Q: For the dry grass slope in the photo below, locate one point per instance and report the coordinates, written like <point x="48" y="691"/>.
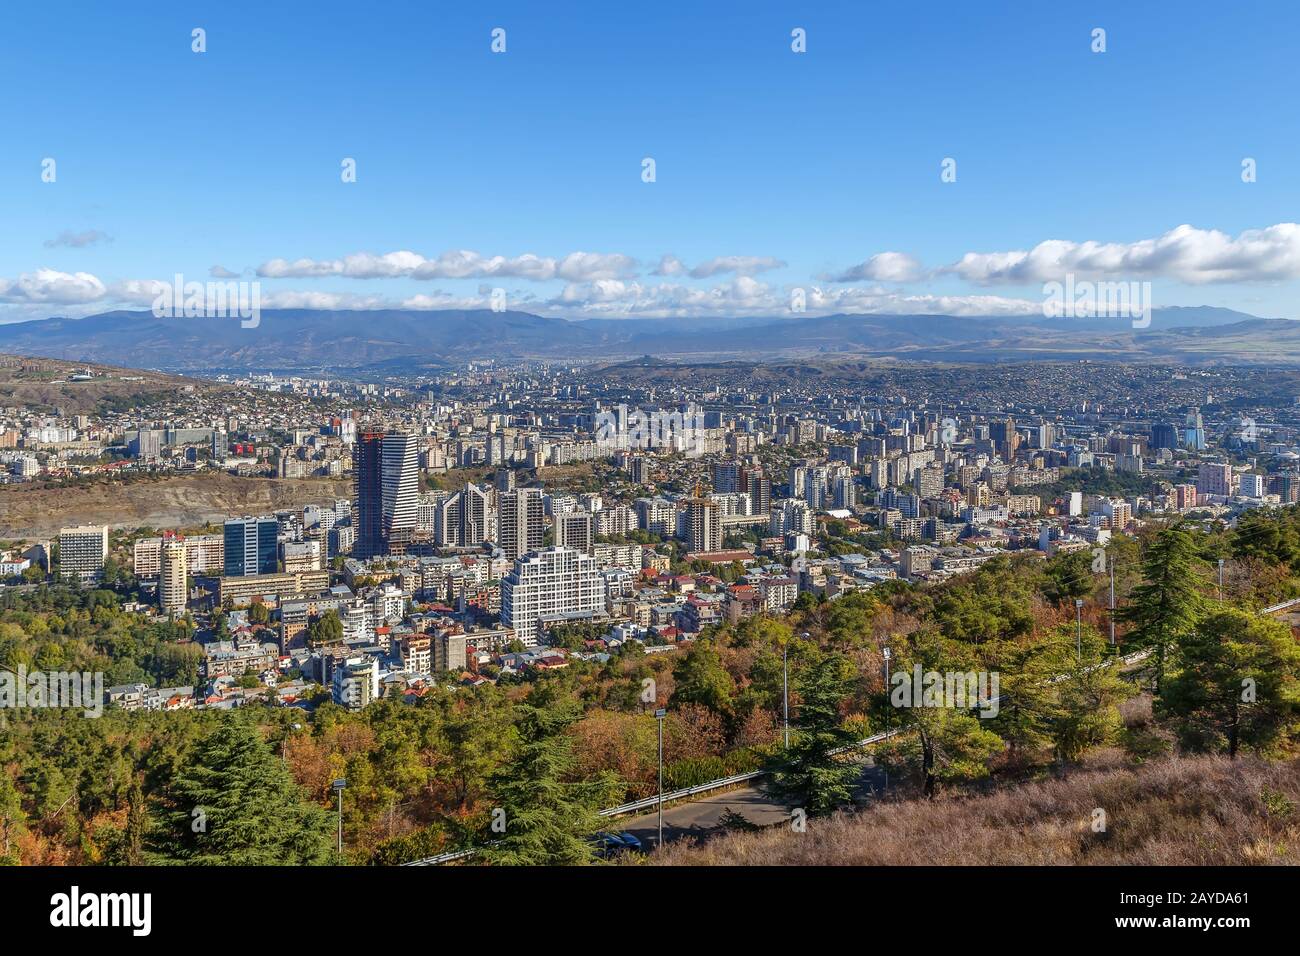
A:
<point x="174" y="501"/>
<point x="1178" y="811"/>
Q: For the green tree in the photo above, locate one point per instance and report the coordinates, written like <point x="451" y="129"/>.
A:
<point x="1087" y="695"/>
<point x="326" y="629"/>
<point x="13" y="822"/>
<point x="1237" y="683"/>
<point x="811" y="775"/>
<point x="1168" y="602"/>
<point x="539" y="818"/>
<point x="700" y="678"/>
<point x="137" y="824"/>
<point x="950" y="745"/>
<point x="234" y="803"/>
<point x="1268" y="537"/>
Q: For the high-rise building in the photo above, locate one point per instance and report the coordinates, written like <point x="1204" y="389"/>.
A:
<point x="656" y="515"/>
<point x="477" y="517"/>
<point x="575" y="529"/>
<point x="929" y="480"/>
<point x="618" y="520"/>
<point x="251" y="546"/>
<point x="400" y="483"/>
<point x="1194" y="431"/>
<point x="387" y="483"/>
<point x="1285" y="485"/>
<point x="1002" y="432"/>
<point x="356" y="682"/>
<point x="726" y="477"/>
<point x="846" y="493"/>
<point x="759" y="489"/>
<point x="1074" y="504"/>
<point x="204" y="554"/>
<point x="367" y="468"/>
<point x="1215" y="478"/>
<point x="790" y="516"/>
<point x="1164" y="435"/>
<point x="520" y="522"/>
<point x="1253" y="485"/>
<point x="550" y="582"/>
<point x="638" y="469"/>
<point x="173" y="579"/>
<point x="1119" y="513"/>
<point x="83" y="551"/>
<point x="703" y="525"/>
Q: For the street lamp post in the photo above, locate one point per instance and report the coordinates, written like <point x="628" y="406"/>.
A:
<point x="660" y="714"/>
<point x="888" y="713"/>
<point x="338" y="786"/>
<point x="1078" y="627"/>
<point x="284" y="744"/>
<point x="1112" y="603"/>
<point x="1219" y="593"/>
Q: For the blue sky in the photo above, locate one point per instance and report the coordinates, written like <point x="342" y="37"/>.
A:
<point x="774" y="170"/>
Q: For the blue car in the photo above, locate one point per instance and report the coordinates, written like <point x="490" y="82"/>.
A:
<point x="612" y="844"/>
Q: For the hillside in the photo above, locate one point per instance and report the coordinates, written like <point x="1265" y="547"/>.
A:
<point x="397" y="340"/>
<point x="33" y="512"/>
<point x="1194" y="811"/>
<point x="52" y="383"/>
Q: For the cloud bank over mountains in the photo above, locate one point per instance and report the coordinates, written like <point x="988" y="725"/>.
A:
<point x="615" y="284"/>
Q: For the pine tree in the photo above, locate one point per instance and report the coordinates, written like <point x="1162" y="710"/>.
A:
<point x="810" y="775"/>
<point x="235" y="803"/>
<point x="1237" y="684"/>
<point x="538" y="818"/>
<point x="1168" y="602"/>
<point x="1087" y="696"/>
<point x="137" y="824"/>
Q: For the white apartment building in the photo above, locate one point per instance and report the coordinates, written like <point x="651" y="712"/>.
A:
<point x="356" y="682"/>
<point x="205" y="554"/>
<point x="82" y="551"/>
<point x="546" y="582"/>
<point x="173" y="579"/>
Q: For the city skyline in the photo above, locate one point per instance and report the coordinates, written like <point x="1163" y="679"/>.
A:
<point x="602" y="437"/>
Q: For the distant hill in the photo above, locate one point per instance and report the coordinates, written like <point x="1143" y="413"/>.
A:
<point x="396" y="340"/>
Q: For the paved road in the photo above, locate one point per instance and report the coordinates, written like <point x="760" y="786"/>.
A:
<point x="703" y="817"/>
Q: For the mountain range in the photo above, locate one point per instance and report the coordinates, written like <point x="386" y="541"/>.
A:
<point x="394" y="340"/>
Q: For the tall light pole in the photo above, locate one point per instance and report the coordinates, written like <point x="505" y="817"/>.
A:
<point x="785" y="692"/>
<point x="888" y="713"/>
<point x="1078" y="627"/>
<point x="1219" y="593"/>
<point x="338" y="785"/>
<point x="284" y="744"/>
<point x="1112" y="603"/>
<point x="660" y="714"/>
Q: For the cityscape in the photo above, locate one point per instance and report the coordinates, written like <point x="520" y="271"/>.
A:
<point x="785" y="548"/>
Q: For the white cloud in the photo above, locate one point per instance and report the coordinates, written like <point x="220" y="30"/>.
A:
<point x="669" y="265"/>
<point x="876" y="301"/>
<point x="221" y="272"/>
<point x="456" y="264"/>
<point x="52" y="286"/>
<point x="883" y="267"/>
<point x="745" y="296"/>
<point x="1185" y="253"/>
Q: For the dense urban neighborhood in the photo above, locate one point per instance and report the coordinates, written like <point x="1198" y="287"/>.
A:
<point x="574" y="553"/>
